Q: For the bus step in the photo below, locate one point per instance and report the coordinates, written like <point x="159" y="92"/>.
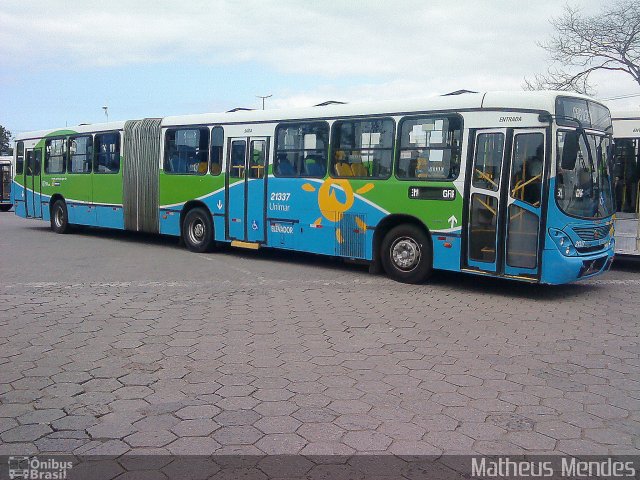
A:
<point x="249" y="245"/>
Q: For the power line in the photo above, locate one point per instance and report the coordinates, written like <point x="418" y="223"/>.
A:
<point x="632" y="95"/>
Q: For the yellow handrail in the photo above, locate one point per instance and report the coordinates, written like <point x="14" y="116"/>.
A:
<point x="486" y="177"/>
<point x="488" y="207"/>
<point x="522" y="185"/>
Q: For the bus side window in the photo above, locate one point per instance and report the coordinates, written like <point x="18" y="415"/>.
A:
<point x="217" y="143"/>
<point x="54" y="156"/>
<point x="526" y="172"/>
<point x="19" y="158"/>
<point x="429" y="148"/>
<point x="363" y="148"/>
<point x="107" y="148"/>
<point x="80" y="154"/>
<point x="186" y="151"/>
<point x="301" y="150"/>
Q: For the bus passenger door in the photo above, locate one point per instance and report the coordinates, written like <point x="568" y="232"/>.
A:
<point x="524" y="203"/>
<point x="257" y="167"/>
<point x="246" y="177"/>
<point x="484" y="208"/>
<point x="236" y="188"/>
<point x="32" y="183"/>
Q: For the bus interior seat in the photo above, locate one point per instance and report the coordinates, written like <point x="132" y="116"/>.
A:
<point x="359" y="170"/>
<point x="314" y="166"/>
<point x="343" y="170"/>
<point x="422" y="167"/>
<point x="284" y="167"/>
<point x="174" y="163"/>
<point x="216" y="169"/>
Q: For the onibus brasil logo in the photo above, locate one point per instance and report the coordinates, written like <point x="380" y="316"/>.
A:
<point x="34" y="468"/>
<point x="331" y="207"/>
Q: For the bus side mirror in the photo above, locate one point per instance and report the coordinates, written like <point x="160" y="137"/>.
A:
<point x="570" y="149"/>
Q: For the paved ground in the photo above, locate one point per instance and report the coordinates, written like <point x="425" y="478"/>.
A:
<point x="113" y="343"/>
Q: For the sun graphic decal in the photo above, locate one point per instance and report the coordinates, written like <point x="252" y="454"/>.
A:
<point x="331" y="207"/>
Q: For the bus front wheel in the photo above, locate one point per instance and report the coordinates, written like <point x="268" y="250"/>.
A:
<point x="197" y="231"/>
<point x="406" y="254"/>
<point x="59" y="217"/>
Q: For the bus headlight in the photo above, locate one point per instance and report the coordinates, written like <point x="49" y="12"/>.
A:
<point x="563" y="242"/>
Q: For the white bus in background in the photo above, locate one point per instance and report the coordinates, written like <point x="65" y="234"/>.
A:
<point x="626" y="173"/>
<point x="5" y="183"/>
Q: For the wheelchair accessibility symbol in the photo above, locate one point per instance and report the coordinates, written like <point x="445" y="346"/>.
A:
<point x="254" y="225"/>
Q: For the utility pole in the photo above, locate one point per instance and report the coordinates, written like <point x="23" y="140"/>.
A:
<point x="263" y="97"/>
<point x="106" y="111"/>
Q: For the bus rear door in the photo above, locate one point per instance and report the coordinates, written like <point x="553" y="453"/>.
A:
<point x="505" y="202"/>
<point x="33" y="183"/>
<point x="246" y="188"/>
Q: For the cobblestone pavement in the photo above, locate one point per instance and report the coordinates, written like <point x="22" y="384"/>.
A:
<point x="113" y="343"/>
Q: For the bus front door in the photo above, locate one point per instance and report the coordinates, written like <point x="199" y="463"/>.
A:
<point x="504" y="203"/>
<point x="247" y="165"/>
<point x="32" y="183"/>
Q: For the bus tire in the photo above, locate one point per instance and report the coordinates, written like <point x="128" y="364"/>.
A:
<point x="406" y="254"/>
<point x="5" y="208"/>
<point x="59" y="217"/>
<point x="197" y="231"/>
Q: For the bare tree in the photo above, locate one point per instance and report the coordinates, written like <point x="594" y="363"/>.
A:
<point x="581" y="45"/>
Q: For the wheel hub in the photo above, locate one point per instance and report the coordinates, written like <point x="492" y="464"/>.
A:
<point x="405" y="253"/>
<point x="58" y="217"/>
<point x="197" y="231"/>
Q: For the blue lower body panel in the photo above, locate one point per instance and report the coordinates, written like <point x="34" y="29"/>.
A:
<point x="558" y="269"/>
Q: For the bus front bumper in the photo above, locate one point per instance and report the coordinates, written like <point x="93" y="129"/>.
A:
<point x="558" y="268"/>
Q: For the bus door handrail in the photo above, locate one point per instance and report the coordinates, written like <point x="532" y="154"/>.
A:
<point x="520" y="186"/>
<point x="486" y="177"/>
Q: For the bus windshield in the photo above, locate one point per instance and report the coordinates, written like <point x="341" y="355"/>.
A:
<point x="586" y="190"/>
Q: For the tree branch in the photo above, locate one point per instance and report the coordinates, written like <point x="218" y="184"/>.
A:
<point x="608" y="41"/>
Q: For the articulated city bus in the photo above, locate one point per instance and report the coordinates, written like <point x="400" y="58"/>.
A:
<point x="626" y="172"/>
<point x="5" y="183"/>
<point x="513" y="185"/>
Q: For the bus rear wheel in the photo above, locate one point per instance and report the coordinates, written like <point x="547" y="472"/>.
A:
<point x="406" y="254"/>
<point x="197" y="231"/>
<point x="59" y="217"/>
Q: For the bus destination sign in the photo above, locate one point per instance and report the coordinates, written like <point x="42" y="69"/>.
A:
<point x="432" y="193"/>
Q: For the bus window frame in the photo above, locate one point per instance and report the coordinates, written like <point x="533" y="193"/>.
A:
<point x="165" y="150"/>
<point x="209" y="163"/>
<point x="332" y="147"/>
<point x="19" y="148"/>
<point x="327" y="122"/>
<point x="65" y="155"/>
<point x="399" y="146"/>
<point x="94" y="163"/>
<point x="70" y="138"/>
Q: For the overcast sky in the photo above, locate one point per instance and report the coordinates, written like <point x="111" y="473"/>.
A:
<point x="61" y="61"/>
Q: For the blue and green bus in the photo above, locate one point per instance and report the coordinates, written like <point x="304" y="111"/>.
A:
<point x="502" y="184"/>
